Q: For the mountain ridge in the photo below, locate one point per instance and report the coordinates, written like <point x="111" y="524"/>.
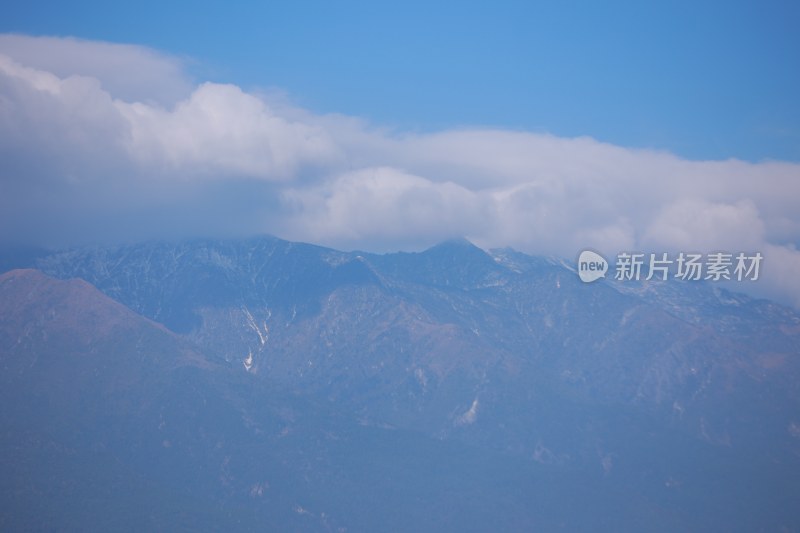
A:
<point x="498" y="352"/>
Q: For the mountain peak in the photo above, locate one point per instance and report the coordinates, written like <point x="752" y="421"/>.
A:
<point x="455" y="243"/>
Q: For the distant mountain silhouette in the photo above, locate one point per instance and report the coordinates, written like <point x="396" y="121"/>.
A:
<point x="298" y="387"/>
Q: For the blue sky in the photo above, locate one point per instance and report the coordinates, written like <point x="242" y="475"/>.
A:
<point x="705" y="80"/>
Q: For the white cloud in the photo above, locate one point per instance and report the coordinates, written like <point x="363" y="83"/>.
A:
<point x="383" y="204"/>
<point x="220" y="129"/>
<point x="694" y="224"/>
<point x="779" y="275"/>
<point x="216" y="130"/>
<point x="54" y="128"/>
<point x="97" y="134"/>
<point x="129" y="72"/>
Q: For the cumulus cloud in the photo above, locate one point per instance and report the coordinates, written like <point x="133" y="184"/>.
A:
<point x="129" y="72"/>
<point x="107" y="141"/>
<point x="219" y="129"/>
<point x="697" y="224"/>
<point x="372" y="205"/>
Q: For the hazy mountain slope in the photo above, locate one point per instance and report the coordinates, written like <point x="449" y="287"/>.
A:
<point x="111" y="422"/>
<point x="641" y="397"/>
<point x="329" y="321"/>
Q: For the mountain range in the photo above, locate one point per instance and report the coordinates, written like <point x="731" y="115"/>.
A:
<point x="262" y="384"/>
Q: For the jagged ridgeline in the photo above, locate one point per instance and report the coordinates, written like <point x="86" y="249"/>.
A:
<point x="260" y="383"/>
